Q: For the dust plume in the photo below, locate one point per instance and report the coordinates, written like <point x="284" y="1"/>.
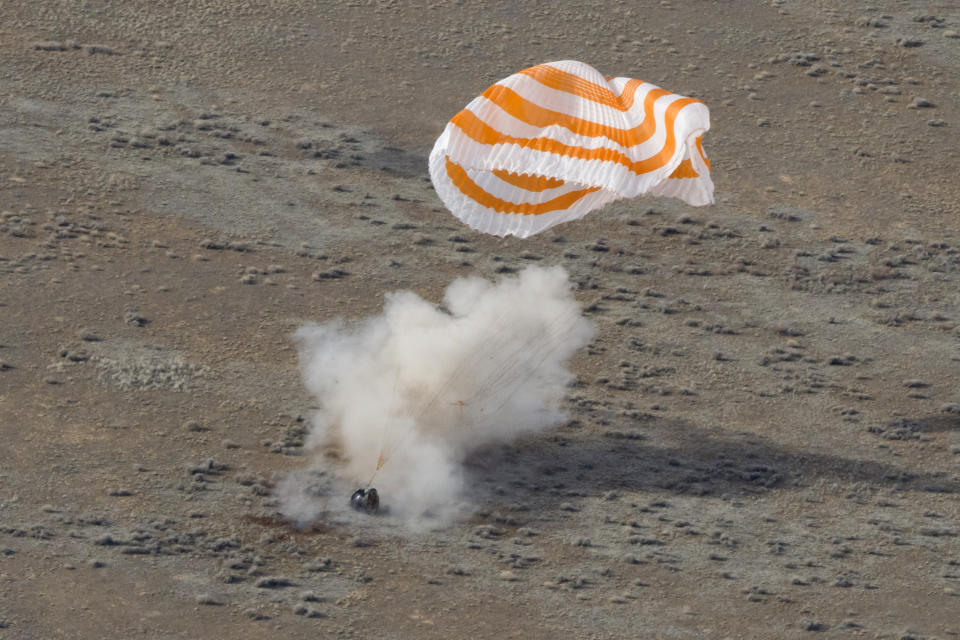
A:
<point x="422" y="386"/>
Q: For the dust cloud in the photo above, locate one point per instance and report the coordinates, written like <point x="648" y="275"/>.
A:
<point x="418" y="387"/>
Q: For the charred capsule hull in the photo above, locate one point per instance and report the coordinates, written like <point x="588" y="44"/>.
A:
<point x="366" y="500"/>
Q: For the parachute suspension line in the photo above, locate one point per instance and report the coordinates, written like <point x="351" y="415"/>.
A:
<point x="495" y="338"/>
<point x="387" y="423"/>
<point x="514" y="365"/>
<point x="515" y="373"/>
<point x="496" y="366"/>
<point x="533" y="370"/>
<point x="380" y="463"/>
<point x="466" y="363"/>
<point x="505" y="368"/>
<point x="516" y="370"/>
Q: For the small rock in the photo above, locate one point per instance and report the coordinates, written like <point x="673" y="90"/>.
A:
<point x="309" y="612"/>
<point x="909" y="42"/>
<point x="99" y="49"/>
<point x="255" y="614"/>
<point x="333" y="274"/>
<point x="920" y="103"/>
<point x="132" y="316"/>
<point x="78" y="355"/>
<point x="89" y="335"/>
<point x="49" y="46"/>
<point x="193" y="425"/>
<point x="273" y="582"/>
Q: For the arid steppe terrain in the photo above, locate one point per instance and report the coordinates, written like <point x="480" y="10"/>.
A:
<point x="763" y="440"/>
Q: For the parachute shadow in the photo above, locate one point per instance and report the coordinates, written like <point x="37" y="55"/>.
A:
<point x="540" y="471"/>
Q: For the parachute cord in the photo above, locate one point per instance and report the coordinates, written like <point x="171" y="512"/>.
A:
<point x="496" y="337"/>
<point x="386" y="427"/>
<point x="380" y="463"/>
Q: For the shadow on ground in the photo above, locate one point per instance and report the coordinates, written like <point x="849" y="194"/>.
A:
<point x="695" y="461"/>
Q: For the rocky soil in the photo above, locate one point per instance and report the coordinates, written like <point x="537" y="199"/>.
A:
<point x="764" y="438"/>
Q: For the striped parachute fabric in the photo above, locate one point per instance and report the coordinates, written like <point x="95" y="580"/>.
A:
<point x="553" y="142"/>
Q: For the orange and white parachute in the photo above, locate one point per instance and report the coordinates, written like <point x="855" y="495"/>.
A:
<point x="553" y="142"/>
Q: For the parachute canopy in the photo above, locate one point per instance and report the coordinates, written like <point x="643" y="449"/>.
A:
<point x="553" y="142"/>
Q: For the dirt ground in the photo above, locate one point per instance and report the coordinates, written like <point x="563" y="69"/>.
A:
<point x="764" y="439"/>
